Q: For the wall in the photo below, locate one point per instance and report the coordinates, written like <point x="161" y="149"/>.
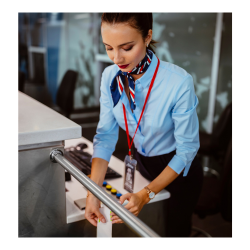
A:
<point x="72" y="40"/>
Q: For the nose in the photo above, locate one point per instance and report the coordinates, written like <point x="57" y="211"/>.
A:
<point x="117" y="58"/>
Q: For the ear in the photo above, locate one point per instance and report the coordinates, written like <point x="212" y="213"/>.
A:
<point x="149" y="37"/>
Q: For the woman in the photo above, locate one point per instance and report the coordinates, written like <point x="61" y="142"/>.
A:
<point x="167" y="139"/>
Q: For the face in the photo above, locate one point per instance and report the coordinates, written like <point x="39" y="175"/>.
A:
<point x="124" y="44"/>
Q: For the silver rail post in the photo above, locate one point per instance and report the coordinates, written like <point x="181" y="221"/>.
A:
<point x="129" y="219"/>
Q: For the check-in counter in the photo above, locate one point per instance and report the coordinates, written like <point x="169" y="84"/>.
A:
<point x="41" y="194"/>
<point x="152" y="213"/>
<point x="46" y="202"/>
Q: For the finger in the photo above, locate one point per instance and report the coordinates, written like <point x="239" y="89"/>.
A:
<point x="130" y="205"/>
<point x="115" y="218"/>
<point x="112" y="214"/>
<point x="133" y="210"/>
<point x="125" y="197"/>
<point x="91" y="220"/>
<point x="100" y="216"/>
<point x="117" y="221"/>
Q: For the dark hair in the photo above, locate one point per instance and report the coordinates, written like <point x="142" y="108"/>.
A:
<point x="140" y="21"/>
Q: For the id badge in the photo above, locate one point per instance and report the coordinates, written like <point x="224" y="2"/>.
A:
<point x="129" y="177"/>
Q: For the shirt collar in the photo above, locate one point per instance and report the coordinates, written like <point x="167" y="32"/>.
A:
<point x="148" y="75"/>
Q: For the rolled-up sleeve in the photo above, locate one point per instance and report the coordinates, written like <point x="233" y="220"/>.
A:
<point x="186" y="126"/>
<point x="106" y="137"/>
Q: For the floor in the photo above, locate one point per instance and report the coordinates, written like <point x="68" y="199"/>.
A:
<point x="215" y="225"/>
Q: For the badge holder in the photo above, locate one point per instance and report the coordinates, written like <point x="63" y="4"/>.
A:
<point x="129" y="176"/>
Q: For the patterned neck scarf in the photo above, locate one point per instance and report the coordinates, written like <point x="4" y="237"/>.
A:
<point x="117" y="84"/>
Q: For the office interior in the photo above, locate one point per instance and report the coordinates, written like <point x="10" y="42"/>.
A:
<point x="61" y="58"/>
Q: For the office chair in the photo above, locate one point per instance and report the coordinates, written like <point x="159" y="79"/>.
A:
<point x="216" y="194"/>
<point x="215" y="144"/>
<point x="21" y="81"/>
<point x="65" y="93"/>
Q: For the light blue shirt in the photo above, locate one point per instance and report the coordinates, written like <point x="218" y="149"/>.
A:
<point x="169" y="121"/>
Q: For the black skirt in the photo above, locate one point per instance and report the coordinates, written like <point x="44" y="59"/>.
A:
<point x="184" y="191"/>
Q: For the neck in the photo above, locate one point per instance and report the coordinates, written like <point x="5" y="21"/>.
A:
<point x="135" y="76"/>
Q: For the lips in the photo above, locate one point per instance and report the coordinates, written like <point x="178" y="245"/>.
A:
<point x="123" y="66"/>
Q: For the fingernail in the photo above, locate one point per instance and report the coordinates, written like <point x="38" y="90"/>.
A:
<point x="103" y="220"/>
<point x="99" y="220"/>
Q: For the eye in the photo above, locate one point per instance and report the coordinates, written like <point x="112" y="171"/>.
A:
<point x="107" y="47"/>
<point x="124" y="49"/>
<point x="128" y="49"/>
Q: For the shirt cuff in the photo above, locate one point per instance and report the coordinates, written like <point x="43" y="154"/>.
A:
<point x="177" y="164"/>
<point x="102" y="153"/>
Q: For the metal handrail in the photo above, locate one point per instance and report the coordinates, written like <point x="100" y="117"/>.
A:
<point x="129" y="219"/>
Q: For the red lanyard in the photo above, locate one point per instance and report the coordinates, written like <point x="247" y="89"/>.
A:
<point x="124" y="110"/>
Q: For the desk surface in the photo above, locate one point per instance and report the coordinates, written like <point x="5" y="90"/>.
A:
<point x="38" y="123"/>
<point x="77" y="191"/>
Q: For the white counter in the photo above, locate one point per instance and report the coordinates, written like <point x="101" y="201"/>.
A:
<point x="77" y="191"/>
<point x="39" y="124"/>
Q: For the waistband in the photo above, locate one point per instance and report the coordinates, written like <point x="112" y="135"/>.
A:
<point x="151" y="166"/>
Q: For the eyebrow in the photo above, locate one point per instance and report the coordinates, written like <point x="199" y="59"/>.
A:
<point x="120" y="44"/>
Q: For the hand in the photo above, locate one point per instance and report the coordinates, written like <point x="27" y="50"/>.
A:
<point x="92" y="213"/>
<point x="135" y="205"/>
